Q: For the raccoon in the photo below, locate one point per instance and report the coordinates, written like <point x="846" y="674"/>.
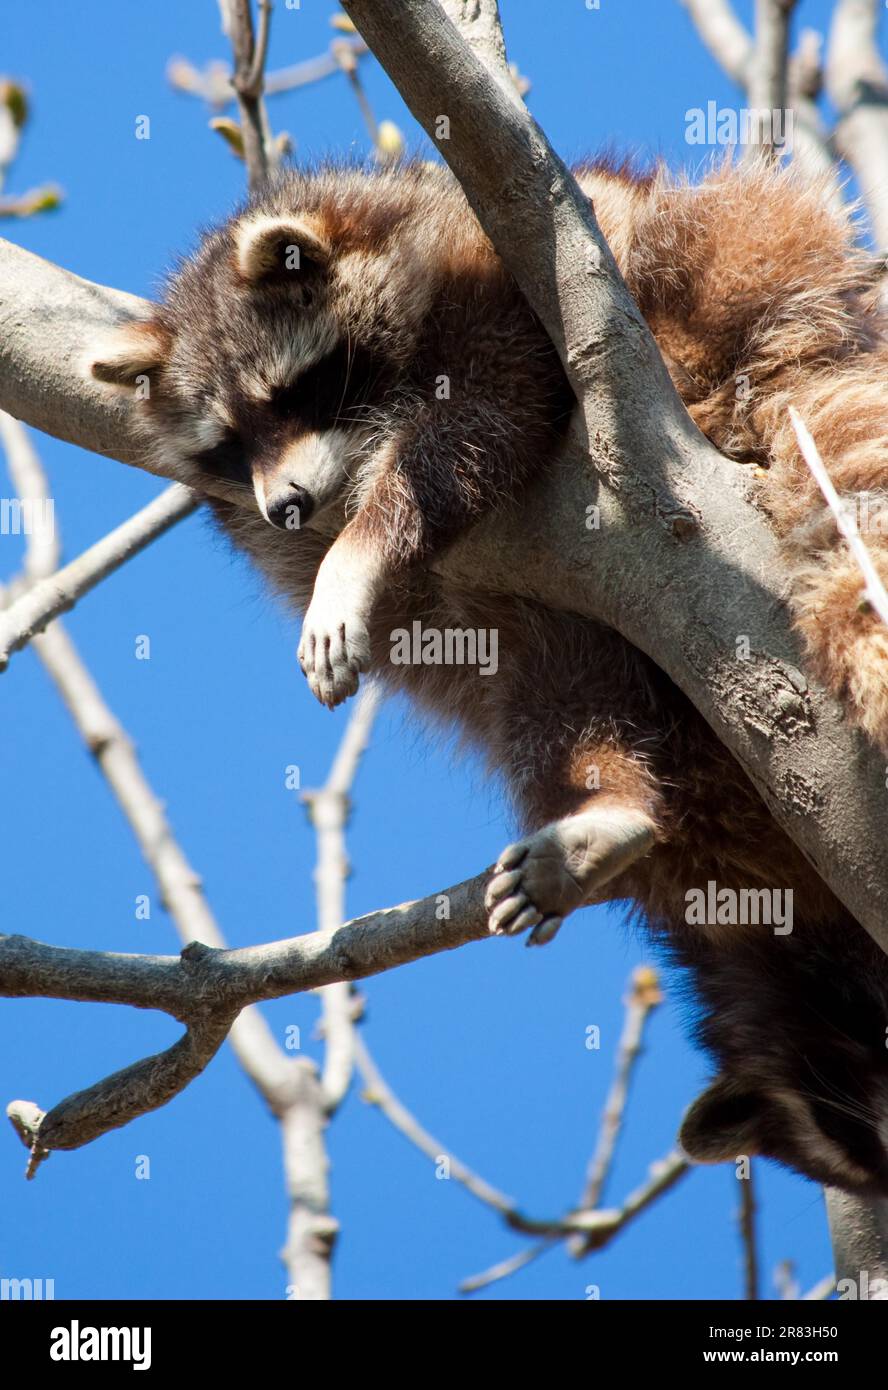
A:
<point x="347" y="358"/>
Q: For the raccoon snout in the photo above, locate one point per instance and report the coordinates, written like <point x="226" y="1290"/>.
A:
<point x="289" y="507"/>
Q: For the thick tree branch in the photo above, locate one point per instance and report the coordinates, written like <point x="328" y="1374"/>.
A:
<point x="205" y="988"/>
<point x="683" y="561"/>
<point x="859" y="1232"/>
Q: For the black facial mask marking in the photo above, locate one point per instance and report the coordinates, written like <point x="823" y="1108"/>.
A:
<point x="227" y="459"/>
<point x="332" y="389"/>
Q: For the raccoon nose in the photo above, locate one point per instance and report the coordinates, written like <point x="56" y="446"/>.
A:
<point x="289" y="506"/>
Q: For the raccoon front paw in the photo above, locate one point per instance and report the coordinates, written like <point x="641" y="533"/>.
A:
<point x="332" y="653"/>
<point x="536" y="882"/>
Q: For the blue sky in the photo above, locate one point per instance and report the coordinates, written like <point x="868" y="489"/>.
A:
<point x="485" y="1045"/>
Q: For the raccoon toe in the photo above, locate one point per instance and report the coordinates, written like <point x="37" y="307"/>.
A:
<point x="332" y="658"/>
<point x="536" y="882"/>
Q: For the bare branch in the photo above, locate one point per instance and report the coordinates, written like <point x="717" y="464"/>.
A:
<point x="731" y="45"/>
<point x="823" y="1289"/>
<point x="329" y="808"/>
<point x="146" y="1085"/>
<point x="767" y="82"/>
<point x="249" y="72"/>
<point x="312" y="1228"/>
<point x="289" y="1085"/>
<point x="857" y="83"/>
<point x="644" y="996"/>
<point x="813" y="145"/>
<point x="598" y="1227"/>
<point x="254" y="81"/>
<point x="313" y="69"/>
<point x="60" y="591"/>
<point x="858" y="1227"/>
<point x="746" y="1222"/>
<point x="379" y="1093"/>
<point x="479" y="24"/>
<point x="207" y="985"/>
<point x="29" y="482"/>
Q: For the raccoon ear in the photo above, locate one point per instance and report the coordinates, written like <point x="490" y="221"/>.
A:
<point x="134" y="350"/>
<point x="724" y="1122"/>
<point x="274" y="245"/>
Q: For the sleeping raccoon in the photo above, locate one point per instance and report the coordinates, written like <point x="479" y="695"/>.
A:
<point x="348" y="354"/>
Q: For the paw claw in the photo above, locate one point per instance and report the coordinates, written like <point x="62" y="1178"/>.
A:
<point x="527" y="917"/>
<point x="500" y="919"/>
<point x="544" y="932"/>
<point x="537" y="881"/>
<point x="499" y="887"/>
<point x="332" y="656"/>
<point x="512" y="856"/>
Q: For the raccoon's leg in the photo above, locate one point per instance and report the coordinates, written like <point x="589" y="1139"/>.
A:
<point x="847" y="643"/>
<point x="539" y="880"/>
<point x="580" y="748"/>
<point x="422" y="488"/>
<point x="335" y="644"/>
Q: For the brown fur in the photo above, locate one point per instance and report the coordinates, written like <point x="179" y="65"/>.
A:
<point x="758" y="298"/>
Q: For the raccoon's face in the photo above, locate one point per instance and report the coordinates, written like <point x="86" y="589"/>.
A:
<point x="805" y="1079"/>
<point x="269" y="363"/>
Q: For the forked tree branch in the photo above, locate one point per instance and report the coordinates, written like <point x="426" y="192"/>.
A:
<point x="205" y="988"/>
<point x="250" y="48"/>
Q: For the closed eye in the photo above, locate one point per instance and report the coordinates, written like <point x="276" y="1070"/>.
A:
<point x="226" y="459"/>
<point x="340" y="382"/>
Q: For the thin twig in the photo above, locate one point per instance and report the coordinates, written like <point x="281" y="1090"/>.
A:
<point x="58" y="592"/>
<point x="378" y="1092"/>
<point x="643" y="997"/>
<point x="254" y="81"/>
<point x="768" y="73"/>
<point x="260" y="155"/>
<point x="328" y="810"/>
<point x="601" y="1226"/>
<point x="213" y="83"/>
<point x="874" y="590"/>
<point x="746" y="1222"/>
<point x="785" y="1281"/>
<point x="822" y="1290"/>
<point x="732" y="47"/>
